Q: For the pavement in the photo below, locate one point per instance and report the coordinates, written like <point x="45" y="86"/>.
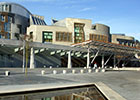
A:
<point x="124" y="83"/>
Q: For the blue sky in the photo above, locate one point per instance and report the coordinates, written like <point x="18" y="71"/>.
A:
<point x="123" y="16"/>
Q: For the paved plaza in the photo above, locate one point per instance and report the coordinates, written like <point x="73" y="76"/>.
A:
<point x="125" y="83"/>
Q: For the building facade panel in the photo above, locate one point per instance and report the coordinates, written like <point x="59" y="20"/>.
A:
<point x="80" y="30"/>
<point x="123" y="40"/>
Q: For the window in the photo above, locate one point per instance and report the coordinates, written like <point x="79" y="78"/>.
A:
<point x="6" y="8"/>
<point x="1" y="8"/>
<point x="0" y="26"/>
<point x="96" y="37"/>
<point x="20" y="28"/>
<point x="7" y="27"/>
<point x="8" y="35"/>
<point x="79" y="32"/>
<point x="46" y="99"/>
<point x="9" y="8"/>
<point x="47" y="36"/>
<point x="94" y="27"/>
<point x="64" y="36"/>
<point x="9" y="19"/>
<point x="2" y="18"/>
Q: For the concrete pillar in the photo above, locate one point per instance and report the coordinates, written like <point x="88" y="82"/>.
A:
<point x="122" y="43"/>
<point x="32" y="59"/>
<point x="88" y="59"/>
<point x="69" y="60"/>
<point x="102" y="61"/>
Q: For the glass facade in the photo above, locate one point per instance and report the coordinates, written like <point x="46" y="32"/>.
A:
<point x="79" y="32"/>
<point x="47" y="36"/>
<point x="46" y="99"/>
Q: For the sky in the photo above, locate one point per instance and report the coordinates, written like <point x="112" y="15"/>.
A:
<point x="123" y="16"/>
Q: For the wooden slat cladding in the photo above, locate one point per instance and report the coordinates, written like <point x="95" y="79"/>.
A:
<point x="64" y="36"/>
<point x="96" y="37"/>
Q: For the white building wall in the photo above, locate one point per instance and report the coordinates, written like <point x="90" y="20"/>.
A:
<point x="38" y="30"/>
<point x="66" y="25"/>
<point x="115" y="37"/>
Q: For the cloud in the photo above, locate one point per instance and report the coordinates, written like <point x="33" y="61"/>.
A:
<point x="58" y="1"/>
<point x="87" y="9"/>
<point x="30" y="0"/>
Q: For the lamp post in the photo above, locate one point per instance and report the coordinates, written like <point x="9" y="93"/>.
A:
<point x="23" y="66"/>
<point x="25" y="40"/>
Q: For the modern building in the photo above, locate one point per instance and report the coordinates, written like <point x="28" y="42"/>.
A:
<point x="14" y="20"/>
<point x="69" y="31"/>
<point x="123" y="40"/>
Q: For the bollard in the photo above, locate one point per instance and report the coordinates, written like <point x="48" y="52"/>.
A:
<point x="64" y="71"/>
<point x="73" y="71"/>
<point x="96" y="70"/>
<point x="102" y="70"/>
<point x="54" y="72"/>
<point x="82" y="71"/>
<point x="89" y="71"/>
<point x="43" y="72"/>
<point x="50" y="67"/>
<point x="7" y="73"/>
<point x="110" y="67"/>
<point x="93" y="68"/>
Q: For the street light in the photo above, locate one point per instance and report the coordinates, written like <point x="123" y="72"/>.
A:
<point x="26" y="39"/>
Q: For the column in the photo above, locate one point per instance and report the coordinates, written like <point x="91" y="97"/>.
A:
<point x="32" y="60"/>
<point x="103" y="61"/>
<point x="69" y="60"/>
<point x="88" y="59"/>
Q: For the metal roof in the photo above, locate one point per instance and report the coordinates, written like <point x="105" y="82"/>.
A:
<point x="102" y="47"/>
<point x="17" y="43"/>
<point x="107" y="47"/>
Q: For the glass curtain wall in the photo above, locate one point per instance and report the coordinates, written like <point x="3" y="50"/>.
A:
<point x="79" y="32"/>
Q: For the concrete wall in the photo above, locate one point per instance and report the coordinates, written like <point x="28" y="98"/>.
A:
<point x="115" y="37"/>
<point x="38" y="30"/>
<point x="19" y="20"/>
<point x="67" y="25"/>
